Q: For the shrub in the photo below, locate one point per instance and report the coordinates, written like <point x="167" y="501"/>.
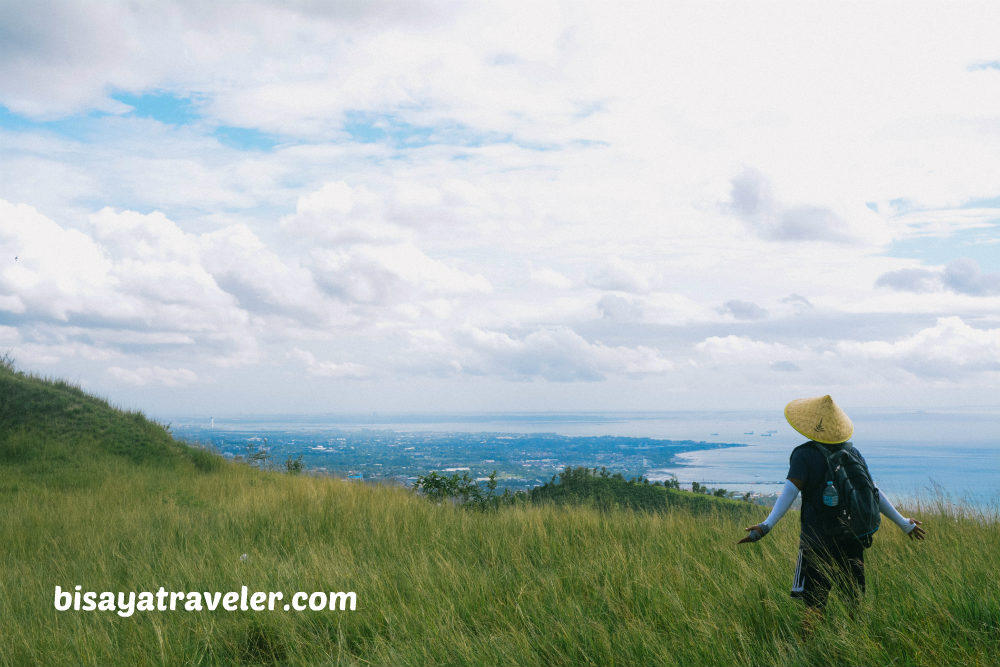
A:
<point x="466" y="491"/>
<point x="294" y="466"/>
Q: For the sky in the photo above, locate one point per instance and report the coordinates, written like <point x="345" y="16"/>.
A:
<point x="347" y="206"/>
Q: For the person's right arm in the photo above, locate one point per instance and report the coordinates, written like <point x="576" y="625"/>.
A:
<point x="788" y="494"/>
<point x="795" y="481"/>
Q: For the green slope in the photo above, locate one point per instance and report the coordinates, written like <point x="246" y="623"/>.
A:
<point x="604" y="491"/>
<point x="107" y="500"/>
<point x="45" y="423"/>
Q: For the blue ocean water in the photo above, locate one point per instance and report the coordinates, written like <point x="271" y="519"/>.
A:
<point x="918" y="454"/>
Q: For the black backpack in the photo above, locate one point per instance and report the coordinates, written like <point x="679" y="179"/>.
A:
<point x="856" y="516"/>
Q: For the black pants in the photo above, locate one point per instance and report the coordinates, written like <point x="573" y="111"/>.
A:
<point x="822" y="566"/>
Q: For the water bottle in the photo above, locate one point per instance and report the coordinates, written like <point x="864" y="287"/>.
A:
<point x="830" y="497"/>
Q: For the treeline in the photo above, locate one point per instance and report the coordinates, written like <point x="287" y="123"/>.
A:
<point x="574" y="485"/>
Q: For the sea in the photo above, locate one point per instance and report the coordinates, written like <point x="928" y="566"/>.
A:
<point x="947" y="455"/>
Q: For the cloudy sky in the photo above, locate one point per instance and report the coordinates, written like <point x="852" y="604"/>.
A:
<point x="404" y="206"/>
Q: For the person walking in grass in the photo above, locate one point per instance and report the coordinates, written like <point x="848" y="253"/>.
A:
<point x="840" y="505"/>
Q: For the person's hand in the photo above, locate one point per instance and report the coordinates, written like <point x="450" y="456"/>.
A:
<point x="755" y="532"/>
<point x="917" y="533"/>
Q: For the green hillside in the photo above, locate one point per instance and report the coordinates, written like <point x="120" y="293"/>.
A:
<point x="107" y="500"/>
<point x="599" y="489"/>
<point x="44" y="423"/>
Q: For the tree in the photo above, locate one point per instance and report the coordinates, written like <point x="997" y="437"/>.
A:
<point x="255" y="453"/>
<point x="294" y="466"/>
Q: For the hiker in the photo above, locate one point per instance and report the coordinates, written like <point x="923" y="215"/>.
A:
<point x="837" y="523"/>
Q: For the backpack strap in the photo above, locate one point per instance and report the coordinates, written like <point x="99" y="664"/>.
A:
<point x="827" y="454"/>
<point x="823" y="448"/>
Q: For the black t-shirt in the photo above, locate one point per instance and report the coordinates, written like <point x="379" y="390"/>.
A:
<point x="808" y="464"/>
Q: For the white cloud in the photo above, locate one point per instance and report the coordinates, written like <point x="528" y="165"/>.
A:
<point x="138" y="284"/>
<point x="933" y="223"/>
<point x="136" y="273"/>
<point x="743" y="310"/>
<point x="360" y="256"/>
<point x="614" y="307"/>
<point x="785" y="367"/>
<point x="741" y="350"/>
<point x="145" y="238"/>
<point x="910" y="280"/>
<point x="389" y="274"/>
<point x="344" y="370"/>
<point x="961" y="275"/>
<point x="12" y="304"/>
<point x="550" y="278"/>
<point x="83" y="51"/>
<point x="965" y="277"/>
<point x="752" y="200"/>
<point x="340" y="214"/>
<point x="619" y="275"/>
<point x="145" y="375"/>
<point x="71" y="46"/>
<point x="798" y="303"/>
<point x="264" y="282"/>
<point x="950" y="350"/>
<point x="553" y="354"/>
<point x="49" y="270"/>
<point x="510" y="191"/>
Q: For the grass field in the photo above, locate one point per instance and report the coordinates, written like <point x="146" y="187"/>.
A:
<point x="95" y="497"/>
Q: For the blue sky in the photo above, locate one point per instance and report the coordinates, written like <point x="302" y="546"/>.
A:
<point x="520" y="206"/>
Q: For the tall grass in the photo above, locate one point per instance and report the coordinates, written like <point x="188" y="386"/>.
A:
<point x="437" y="584"/>
<point x="102" y="498"/>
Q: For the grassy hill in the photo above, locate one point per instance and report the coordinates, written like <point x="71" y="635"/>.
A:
<point x="105" y="499"/>
<point x="47" y="423"/>
<point x="604" y="491"/>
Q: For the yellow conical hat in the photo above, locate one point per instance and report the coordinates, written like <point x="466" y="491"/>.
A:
<point x="819" y="419"/>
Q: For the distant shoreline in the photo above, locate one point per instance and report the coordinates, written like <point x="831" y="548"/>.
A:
<point x="911" y="453"/>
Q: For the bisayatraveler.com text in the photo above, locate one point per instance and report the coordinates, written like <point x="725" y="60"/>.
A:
<point x="127" y="603"/>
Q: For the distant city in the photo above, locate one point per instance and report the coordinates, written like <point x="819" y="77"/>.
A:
<point x="521" y="460"/>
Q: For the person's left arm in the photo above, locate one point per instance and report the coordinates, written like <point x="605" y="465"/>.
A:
<point x="911" y="527"/>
